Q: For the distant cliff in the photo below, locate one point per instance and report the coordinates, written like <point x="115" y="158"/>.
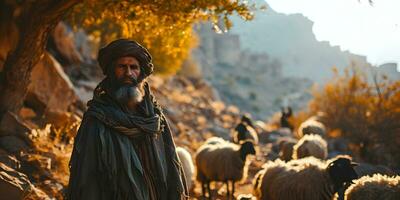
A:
<point x="252" y="81"/>
<point x="290" y="39"/>
<point x="272" y="61"/>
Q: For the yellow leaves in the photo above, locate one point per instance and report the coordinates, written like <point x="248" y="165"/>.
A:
<point x="163" y="26"/>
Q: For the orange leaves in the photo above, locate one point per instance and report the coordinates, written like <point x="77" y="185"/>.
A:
<point x="163" y="26"/>
<point x="364" y="110"/>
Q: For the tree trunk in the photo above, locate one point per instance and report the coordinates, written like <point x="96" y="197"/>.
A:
<point x="35" y="24"/>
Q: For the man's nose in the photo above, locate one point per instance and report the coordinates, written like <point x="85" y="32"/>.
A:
<point x="129" y="72"/>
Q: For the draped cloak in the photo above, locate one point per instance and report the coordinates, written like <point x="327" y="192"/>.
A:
<point x="121" y="155"/>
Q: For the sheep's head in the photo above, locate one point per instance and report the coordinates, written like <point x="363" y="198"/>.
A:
<point x="247" y="148"/>
<point x="341" y="171"/>
<point x="247" y="120"/>
<point x="286" y="112"/>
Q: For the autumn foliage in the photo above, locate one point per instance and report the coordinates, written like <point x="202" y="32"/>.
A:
<point x="366" y="111"/>
<point x="164" y="27"/>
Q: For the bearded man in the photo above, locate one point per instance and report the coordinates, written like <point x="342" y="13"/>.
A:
<point x="124" y="147"/>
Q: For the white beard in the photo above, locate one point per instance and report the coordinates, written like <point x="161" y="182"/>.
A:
<point x="129" y="96"/>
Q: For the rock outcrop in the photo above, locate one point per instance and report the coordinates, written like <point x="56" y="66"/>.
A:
<point x="50" y="87"/>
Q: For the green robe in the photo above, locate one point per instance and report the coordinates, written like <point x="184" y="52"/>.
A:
<point x="116" y="156"/>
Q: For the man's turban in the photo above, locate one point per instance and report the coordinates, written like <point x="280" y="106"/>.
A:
<point x="121" y="48"/>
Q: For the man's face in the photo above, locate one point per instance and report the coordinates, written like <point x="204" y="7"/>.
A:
<point x="126" y="69"/>
<point x="126" y="89"/>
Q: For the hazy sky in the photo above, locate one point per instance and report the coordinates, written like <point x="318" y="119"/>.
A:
<point x="373" y="31"/>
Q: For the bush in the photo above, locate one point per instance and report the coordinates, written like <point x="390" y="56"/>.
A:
<point x="366" y="111"/>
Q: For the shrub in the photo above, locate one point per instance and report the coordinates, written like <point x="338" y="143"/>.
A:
<point x="366" y="111"/>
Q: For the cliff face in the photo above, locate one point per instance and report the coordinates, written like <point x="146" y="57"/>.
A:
<point x="255" y="82"/>
<point x="272" y="61"/>
<point x="290" y="39"/>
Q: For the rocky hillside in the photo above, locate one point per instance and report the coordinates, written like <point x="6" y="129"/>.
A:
<point x="36" y="144"/>
<point x="255" y="82"/>
<point x="271" y="61"/>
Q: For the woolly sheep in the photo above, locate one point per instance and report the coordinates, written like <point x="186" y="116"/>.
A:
<point x="311" y="126"/>
<point x="364" y="169"/>
<point x="304" y="179"/>
<point x="376" y="187"/>
<point x="310" y="145"/>
<point x="215" y="140"/>
<point x="187" y="164"/>
<point x="244" y="132"/>
<point x="286" y="145"/>
<point x="222" y="161"/>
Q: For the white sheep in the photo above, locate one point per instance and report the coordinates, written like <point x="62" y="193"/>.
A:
<point x="311" y="126"/>
<point x="187" y="164"/>
<point x="310" y="145"/>
<point x="304" y="179"/>
<point x="376" y="187"/>
<point x="244" y="132"/>
<point x="223" y="162"/>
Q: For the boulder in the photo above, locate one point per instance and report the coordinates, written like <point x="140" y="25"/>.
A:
<point x="62" y="45"/>
<point x="13" y="144"/>
<point x="50" y="87"/>
<point x="84" y="90"/>
<point x="12" y="125"/>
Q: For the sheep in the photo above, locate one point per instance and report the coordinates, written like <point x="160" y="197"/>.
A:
<point x="215" y="140"/>
<point x="376" y="187"/>
<point x="310" y="145"/>
<point x="187" y="164"/>
<point x="260" y="128"/>
<point x="311" y="126"/>
<point x="364" y="169"/>
<point x="246" y="119"/>
<point x="286" y="145"/>
<point x="304" y="179"/>
<point x="244" y="132"/>
<point x="223" y="162"/>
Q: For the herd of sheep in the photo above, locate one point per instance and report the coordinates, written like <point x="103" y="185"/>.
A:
<point x="303" y="171"/>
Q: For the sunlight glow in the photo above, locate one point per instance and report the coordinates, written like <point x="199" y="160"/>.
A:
<point x="357" y="26"/>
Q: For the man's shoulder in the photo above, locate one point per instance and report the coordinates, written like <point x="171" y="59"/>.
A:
<point x="91" y="120"/>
